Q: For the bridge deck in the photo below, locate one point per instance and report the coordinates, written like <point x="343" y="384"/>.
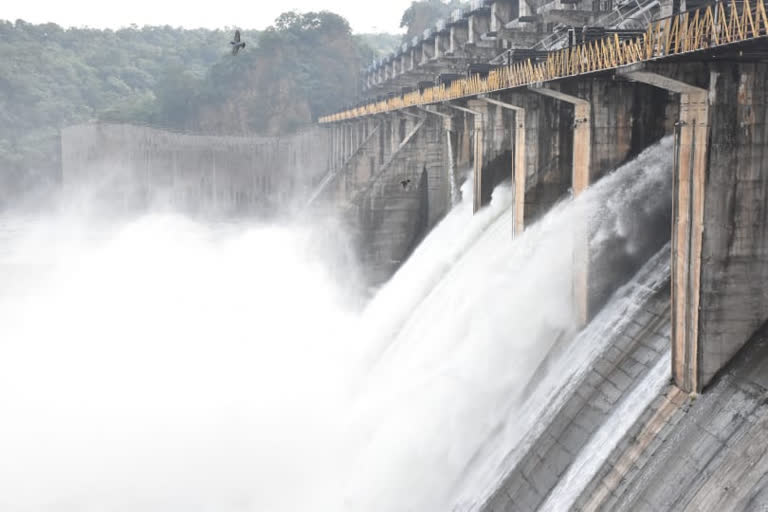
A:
<point x="692" y="33"/>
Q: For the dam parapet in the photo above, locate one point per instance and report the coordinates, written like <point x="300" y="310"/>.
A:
<point x="134" y="167"/>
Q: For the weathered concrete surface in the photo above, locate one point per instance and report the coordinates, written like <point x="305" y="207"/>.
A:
<point x="636" y="344"/>
<point x="576" y="133"/>
<point x="409" y="193"/>
<point x="690" y="158"/>
<point x="720" y="272"/>
<point x="708" y="453"/>
<point x="734" y="275"/>
<point x="128" y="167"/>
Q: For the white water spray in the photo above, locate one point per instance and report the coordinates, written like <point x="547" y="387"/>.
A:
<point x="164" y="365"/>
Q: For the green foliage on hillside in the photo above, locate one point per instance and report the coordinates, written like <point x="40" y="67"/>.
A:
<point x="304" y="66"/>
<point x="423" y="14"/>
<point x="382" y="43"/>
<point x="51" y="77"/>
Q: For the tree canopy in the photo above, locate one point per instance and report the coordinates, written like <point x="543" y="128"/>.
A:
<point x="303" y="66"/>
<point x="423" y="14"/>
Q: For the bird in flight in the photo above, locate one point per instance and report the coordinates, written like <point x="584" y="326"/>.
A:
<point x="405" y="184"/>
<point x="237" y="44"/>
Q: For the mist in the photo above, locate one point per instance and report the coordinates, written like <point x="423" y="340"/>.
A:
<point x="164" y="363"/>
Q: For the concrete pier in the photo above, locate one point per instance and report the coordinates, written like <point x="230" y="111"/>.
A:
<point x="555" y="125"/>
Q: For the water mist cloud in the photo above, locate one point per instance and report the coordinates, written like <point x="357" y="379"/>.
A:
<point x="170" y="366"/>
<point x="162" y="364"/>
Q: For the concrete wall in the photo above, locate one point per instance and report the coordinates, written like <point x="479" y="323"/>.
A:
<point x="622" y="119"/>
<point x="129" y="167"/>
<point x="393" y="186"/>
<point x="734" y="274"/>
<point x="710" y="453"/>
<point x="579" y="129"/>
<point x="635" y="343"/>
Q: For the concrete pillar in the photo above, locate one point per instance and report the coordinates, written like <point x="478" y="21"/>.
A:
<point x="394" y="129"/>
<point x="479" y="23"/>
<point x="688" y="215"/>
<point x="523" y="9"/>
<point x="580" y="180"/>
<point x="581" y="137"/>
<point x="458" y="38"/>
<point x="337" y="146"/>
<point x="502" y="12"/>
<point x="427" y="50"/>
<point x="518" y="164"/>
<point x="344" y="142"/>
<point x="478" y="112"/>
<point x="442" y="44"/>
<point x="448" y="128"/>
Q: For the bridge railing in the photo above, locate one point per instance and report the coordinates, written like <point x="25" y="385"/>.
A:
<point x="711" y="26"/>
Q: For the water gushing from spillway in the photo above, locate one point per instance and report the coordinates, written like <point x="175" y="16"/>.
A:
<point x="164" y="364"/>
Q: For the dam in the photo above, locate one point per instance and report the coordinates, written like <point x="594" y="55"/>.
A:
<point x="560" y="209"/>
<point x="553" y="115"/>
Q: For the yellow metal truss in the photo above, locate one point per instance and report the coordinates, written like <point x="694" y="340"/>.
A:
<point x="715" y="25"/>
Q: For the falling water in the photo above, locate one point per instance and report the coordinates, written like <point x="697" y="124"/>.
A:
<point x="597" y="450"/>
<point x="162" y="364"/>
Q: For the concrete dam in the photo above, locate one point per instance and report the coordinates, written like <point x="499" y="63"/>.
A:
<point x="549" y="99"/>
<point x="561" y="209"/>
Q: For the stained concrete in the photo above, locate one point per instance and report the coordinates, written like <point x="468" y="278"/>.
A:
<point x="408" y="192"/>
<point x="636" y="344"/>
<point x="135" y="167"/>
<point x="734" y="276"/>
<point x="710" y="453"/>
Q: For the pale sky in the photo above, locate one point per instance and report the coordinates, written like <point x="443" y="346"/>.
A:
<point x="363" y="15"/>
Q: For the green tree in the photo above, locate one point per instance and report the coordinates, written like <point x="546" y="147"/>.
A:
<point x="423" y="14"/>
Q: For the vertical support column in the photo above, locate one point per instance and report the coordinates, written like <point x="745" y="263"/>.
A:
<point x="344" y="142"/>
<point x="428" y="50"/>
<point x="580" y="180"/>
<point x="502" y="12"/>
<point x="458" y="38"/>
<point x="442" y="43"/>
<point x="478" y="111"/>
<point x="691" y="154"/>
<point x="518" y="165"/>
<point x="336" y="146"/>
<point x="582" y="143"/>
<point x="688" y="218"/>
<point x="451" y="176"/>
<point x="394" y="127"/>
<point x="481" y="113"/>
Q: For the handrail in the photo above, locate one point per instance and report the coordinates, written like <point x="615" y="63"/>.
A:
<point x="613" y="18"/>
<point x="714" y="25"/>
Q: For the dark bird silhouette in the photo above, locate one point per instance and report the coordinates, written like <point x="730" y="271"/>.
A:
<point x="405" y="183"/>
<point x="237" y="44"/>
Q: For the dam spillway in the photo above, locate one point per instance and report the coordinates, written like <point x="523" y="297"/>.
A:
<point x="565" y="257"/>
<point x="416" y="418"/>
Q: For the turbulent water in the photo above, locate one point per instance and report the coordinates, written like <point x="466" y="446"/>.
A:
<point x="162" y="364"/>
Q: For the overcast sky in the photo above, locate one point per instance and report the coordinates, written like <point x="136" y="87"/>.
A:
<point x="363" y="15"/>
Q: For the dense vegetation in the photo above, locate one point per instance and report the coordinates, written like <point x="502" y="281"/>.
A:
<point x="50" y="77"/>
<point x="423" y="14"/>
<point x="303" y="66"/>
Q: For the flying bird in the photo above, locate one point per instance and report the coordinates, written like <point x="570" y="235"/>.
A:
<point x="237" y="44"/>
<point x="405" y="183"/>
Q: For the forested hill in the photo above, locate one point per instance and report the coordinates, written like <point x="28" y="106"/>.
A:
<point x="303" y="66"/>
